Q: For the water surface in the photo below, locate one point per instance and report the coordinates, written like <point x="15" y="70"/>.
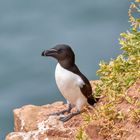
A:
<point x="27" y="27"/>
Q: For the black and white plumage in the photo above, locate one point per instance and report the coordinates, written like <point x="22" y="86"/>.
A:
<point x="73" y="85"/>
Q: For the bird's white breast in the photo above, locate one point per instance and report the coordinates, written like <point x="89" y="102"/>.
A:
<point x="69" y="85"/>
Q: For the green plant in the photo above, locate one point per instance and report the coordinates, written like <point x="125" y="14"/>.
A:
<point x="81" y="135"/>
<point x="115" y="78"/>
<point x="135" y="115"/>
<point x="119" y="74"/>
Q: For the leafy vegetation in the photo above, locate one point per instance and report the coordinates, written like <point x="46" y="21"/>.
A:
<point x="115" y="78"/>
<point x="81" y="135"/>
<point x="119" y="74"/>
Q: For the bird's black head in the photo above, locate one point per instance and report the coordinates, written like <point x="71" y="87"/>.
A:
<point x="63" y="53"/>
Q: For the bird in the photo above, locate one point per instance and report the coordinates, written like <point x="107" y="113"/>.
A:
<point x="72" y="84"/>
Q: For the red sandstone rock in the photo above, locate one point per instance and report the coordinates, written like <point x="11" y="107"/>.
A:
<point x="33" y="122"/>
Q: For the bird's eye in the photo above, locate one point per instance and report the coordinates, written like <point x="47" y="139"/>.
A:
<point x="60" y="51"/>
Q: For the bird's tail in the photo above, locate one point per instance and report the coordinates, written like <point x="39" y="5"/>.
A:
<point x="92" y="100"/>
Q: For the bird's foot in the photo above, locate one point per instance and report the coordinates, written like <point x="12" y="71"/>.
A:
<point x="60" y="112"/>
<point x="63" y="111"/>
<point x="66" y="118"/>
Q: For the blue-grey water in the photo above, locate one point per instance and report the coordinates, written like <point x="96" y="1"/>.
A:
<point x="27" y="27"/>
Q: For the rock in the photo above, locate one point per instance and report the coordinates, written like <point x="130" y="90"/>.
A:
<point x="34" y="123"/>
<point x="126" y="129"/>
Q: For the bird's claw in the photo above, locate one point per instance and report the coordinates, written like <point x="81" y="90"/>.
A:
<point x="64" y="119"/>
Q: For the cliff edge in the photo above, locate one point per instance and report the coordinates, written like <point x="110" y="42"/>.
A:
<point x="34" y="123"/>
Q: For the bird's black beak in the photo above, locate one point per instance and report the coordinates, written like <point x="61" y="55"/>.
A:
<point x="50" y="52"/>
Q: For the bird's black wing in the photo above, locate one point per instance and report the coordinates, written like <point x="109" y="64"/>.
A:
<point x="86" y="89"/>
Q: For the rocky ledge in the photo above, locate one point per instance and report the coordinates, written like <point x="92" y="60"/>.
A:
<point x="34" y="123"/>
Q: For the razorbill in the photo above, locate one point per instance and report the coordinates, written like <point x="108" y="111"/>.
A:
<point x="73" y="85"/>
